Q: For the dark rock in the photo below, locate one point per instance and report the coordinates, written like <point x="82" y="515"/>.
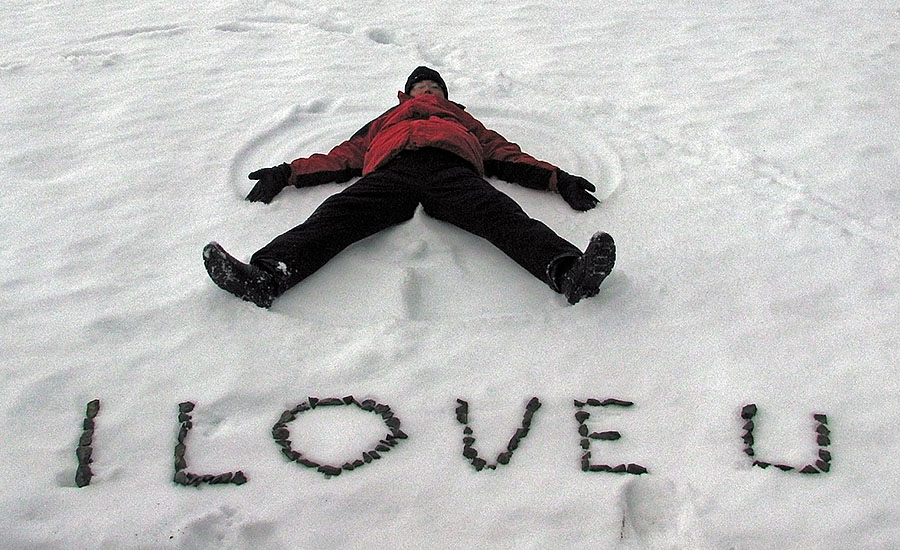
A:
<point x="83" y="453"/>
<point x="533" y="404"/>
<point x="825" y="455"/>
<point x="381" y="408"/>
<point x="348" y="466"/>
<point x="749" y="426"/>
<point x="748" y="439"/>
<point x="823" y="440"/>
<point x="185" y="407"/>
<point x="783" y="467"/>
<point x="302" y="407"/>
<point x="291" y="455"/>
<point x="600" y="468"/>
<point x="503" y="458"/>
<point x="579" y="404"/>
<point x="606" y="436"/>
<point x="367" y="405"/>
<point x="616" y="403"/>
<point x="180" y="464"/>
<point x="329" y="470"/>
<point x="749" y="451"/>
<point x="180" y="449"/>
<point x="331" y="402"/>
<point x="585" y="443"/>
<point x="821" y="418"/>
<point x="822" y="429"/>
<point x="398" y="434"/>
<point x="583" y="430"/>
<point x="281" y="433"/>
<point x="382" y="448"/>
<point x="582" y="416"/>
<point x="513" y="444"/>
<point x="349" y="400"/>
<point x="313" y="401"/>
<point x="366" y="458"/>
<point x="824" y="466"/>
<point x="357" y="463"/>
<point x="393" y="422"/>
<point x="181" y="477"/>
<point x="88" y="424"/>
<point x="93" y="408"/>
<point x="594" y="402"/>
<point x="308" y="463"/>
<point x="809" y="469"/>
<point x="620" y="469"/>
<point x="468" y="440"/>
<point x="222" y="479"/>
<point x="469" y="452"/>
<point x="83" y="476"/>
<point x="635" y="469"/>
<point x="374" y="454"/>
<point x="86" y="437"/>
<point x="761" y="464"/>
<point x="467" y="430"/>
<point x="182" y="433"/>
<point x="287" y="416"/>
<point x="479" y="463"/>
<point x="748" y="412"/>
<point x="184" y="417"/>
<point x="239" y="478"/>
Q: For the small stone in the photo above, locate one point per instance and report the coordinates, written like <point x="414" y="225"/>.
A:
<point x="302" y="407"/>
<point x="357" y="463"/>
<point x="761" y="464"/>
<point x="748" y="439"/>
<point x="822" y="429"/>
<point x="313" y="401"/>
<point x="620" y="469"/>
<point x="600" y="468"/>
<point x="184" y="417"/>
<point x="503" y="458"/>
<point x="468" y="440"/>
<point x="748" y="412"/>
<point x="583" y="430"/>
<point x="533" y="404"/>
<point x="582" y="416"/>
<point x="291" y="455"/>
<point x="635" y="469"/>
<point x="222" y="479"/>
<point x="287" y="416"/>
<point x="367" y="405"/>
<point x="281" y="433"/>
<point x="783" y="467"/>
<point x="349" y="400"/>
<point x="825" y="455"/>
<point x="367" y="458"/>
<point x="398" y="434"/>
<point x="749" y="451"/>
<point x="389" y="441"/>
<point x="513" y="444"/>
<point x="182" y="433"/>
<point x="331" y="402"/>
<point x="329" y="470"/>
<point x="381" y="409"/>
<point x="180" y="464"/>
<point x="86" y="437"/>
<point x="180" y="449"/>
<point x="809" y="469"/>
<point x="606" y="436"/>
<point x="579" y="404"/>
<point x="239" y="478"/>
<point x="181" y="477"/>
<point x="392" y="422"/>
<point x="382" y="448"/>
<point x="470" y="452"/>
<point x="93" y="408"/>
<point x="87" y="424"/>
<point x="83" y="476"/>
<point x="467" y="430"/>
<point x="585" y="443"/>
<point x="374" y="454"/>
<point x="823" y="440"/>
<point x="594" y="402"/>
<point x="616" y="403"/>
<point x="308" y="463"/>
<point x="824" y="466"/>
<point x="348" y="466"/>
<point x="821" y="418"/>
<point x="83" y="453"/>
<point x="479" y="463"/>
<point x="185" y="407"/>
<point x="749" y="426"/>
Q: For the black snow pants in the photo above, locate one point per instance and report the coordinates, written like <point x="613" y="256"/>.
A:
<point x="447" y="187"/>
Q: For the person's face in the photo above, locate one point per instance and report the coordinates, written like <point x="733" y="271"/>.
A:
<point x="426" y="87"/>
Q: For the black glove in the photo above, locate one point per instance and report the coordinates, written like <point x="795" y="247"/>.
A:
<point x="271" y="182"/>
<point x="574" y="190"/>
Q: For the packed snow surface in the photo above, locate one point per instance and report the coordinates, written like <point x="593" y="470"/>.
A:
<point x="747" y="155"/>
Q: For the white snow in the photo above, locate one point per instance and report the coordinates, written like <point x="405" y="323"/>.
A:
<point x="748" y="156"/>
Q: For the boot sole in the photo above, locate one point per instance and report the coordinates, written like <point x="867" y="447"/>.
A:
<point x="600" y="257"/>
<point x="223" y="270"/>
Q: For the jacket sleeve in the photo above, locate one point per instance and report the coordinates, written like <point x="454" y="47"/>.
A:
<point x="342" y="163"/>
<point x="505" y="160"/>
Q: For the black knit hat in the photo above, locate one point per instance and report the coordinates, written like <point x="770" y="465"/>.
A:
<point x="424" y="73"/>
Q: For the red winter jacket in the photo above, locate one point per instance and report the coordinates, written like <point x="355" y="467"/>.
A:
<point x="418" y="122"/>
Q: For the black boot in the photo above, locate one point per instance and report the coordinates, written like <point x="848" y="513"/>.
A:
<point x="583" y="279"/>
<point x="246" y="281"/>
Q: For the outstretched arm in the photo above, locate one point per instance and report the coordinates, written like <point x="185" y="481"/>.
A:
<point x="505" y="160"/>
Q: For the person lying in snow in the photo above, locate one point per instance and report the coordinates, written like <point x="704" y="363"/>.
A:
<point x="426" y="150"/>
